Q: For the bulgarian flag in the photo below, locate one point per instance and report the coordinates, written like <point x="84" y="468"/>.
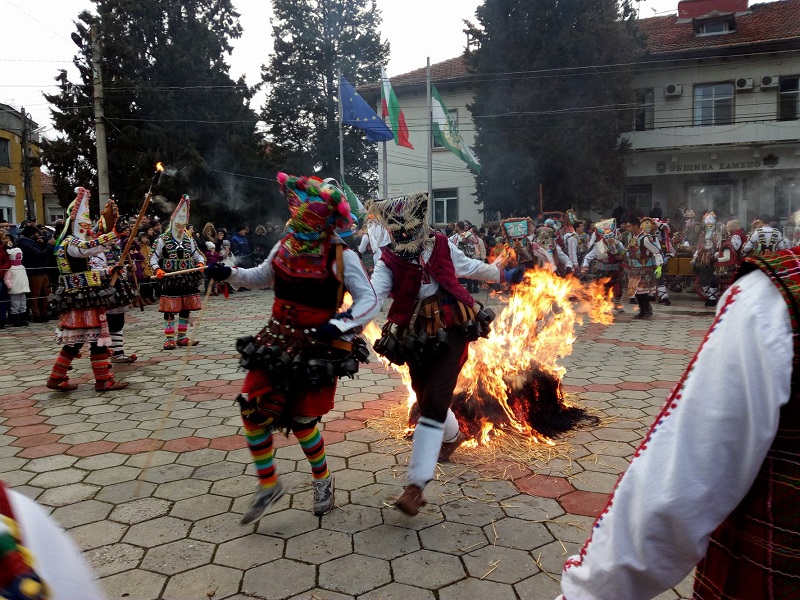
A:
<point x="391" y="109"/>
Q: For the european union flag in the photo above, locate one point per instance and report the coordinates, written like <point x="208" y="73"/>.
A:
<point x="356" y="112"/>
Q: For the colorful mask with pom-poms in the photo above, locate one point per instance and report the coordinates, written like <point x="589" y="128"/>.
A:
<point x="318" y="209"/>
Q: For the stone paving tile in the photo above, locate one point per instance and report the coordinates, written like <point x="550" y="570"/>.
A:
<point x="151" y="483"/>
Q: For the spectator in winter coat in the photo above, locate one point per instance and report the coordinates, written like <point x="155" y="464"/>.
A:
<point x="240" y="246"/>
<point x="36" y="255"/>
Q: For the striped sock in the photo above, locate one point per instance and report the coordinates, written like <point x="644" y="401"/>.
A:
<point x="260" y="441"/>
<point x="183" y="327"/>
<point x="314" y="448"/>
<point x="169" y="328"/>
<point x="117" y="343"/>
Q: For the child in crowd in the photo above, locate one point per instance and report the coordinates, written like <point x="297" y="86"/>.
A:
<point x="16" y="281"/>
<point x="212" y="257"/>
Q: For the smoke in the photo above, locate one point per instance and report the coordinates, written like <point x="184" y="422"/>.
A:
<point x="162" y="204"/>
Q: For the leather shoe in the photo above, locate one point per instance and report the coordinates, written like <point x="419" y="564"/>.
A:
<point x="410" y="501"/>
<point x="447" y="449"/>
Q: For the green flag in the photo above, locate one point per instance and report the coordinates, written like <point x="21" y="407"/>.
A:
<point x="355" y="204"/>
<point x="445" y="130"/>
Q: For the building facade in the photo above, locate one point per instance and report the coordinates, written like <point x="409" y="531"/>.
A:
<point x="19" y="168"/>
<point x="717" y="125"/>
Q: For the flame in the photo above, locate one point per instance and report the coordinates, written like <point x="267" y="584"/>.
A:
<point x="535" y="328"/>
<point x="159" y="167"/>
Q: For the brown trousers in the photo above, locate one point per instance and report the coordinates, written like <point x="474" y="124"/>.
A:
<point x="39" y="294"/>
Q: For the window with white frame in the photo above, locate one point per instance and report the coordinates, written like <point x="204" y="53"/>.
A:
<point x="789" y="98"/>
<point x="713" y="104"/>
<point x="5" y="153"/>
<point x="453" y="114"/>
<point x="445" y="206"/>
<point x="7" y="208"/>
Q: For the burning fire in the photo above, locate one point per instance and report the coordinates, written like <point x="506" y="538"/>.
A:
<point x="516" y="367"/>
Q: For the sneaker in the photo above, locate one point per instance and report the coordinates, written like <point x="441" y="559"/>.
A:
<point x="261" y="501"/>
<point x="122" y="358"/>
<point x="323" y="496"/>
<point x="447" y="449"/>
<point x="410" y="501"/>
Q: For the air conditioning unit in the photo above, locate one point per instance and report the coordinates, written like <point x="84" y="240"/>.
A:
<point x="769" y="81"/>
<point x="673" y="90"/>
<point x="5" y="190"/>
<point x="744" y="84"/>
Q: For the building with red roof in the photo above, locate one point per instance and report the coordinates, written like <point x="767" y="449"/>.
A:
<point x="717" y="125"/>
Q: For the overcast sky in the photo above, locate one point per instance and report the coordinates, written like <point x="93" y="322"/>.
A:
<point x="36" y="40"/>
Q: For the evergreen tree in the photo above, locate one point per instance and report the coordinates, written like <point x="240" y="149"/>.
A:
<point x="552" y="98"/>
<point x="312" y="39"/>
<point x="168" y="97"/>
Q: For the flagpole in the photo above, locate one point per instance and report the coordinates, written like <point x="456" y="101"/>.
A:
<point x="430" y="142"/>
<point x="341" y="129"/>
<point x="385" y="158"/>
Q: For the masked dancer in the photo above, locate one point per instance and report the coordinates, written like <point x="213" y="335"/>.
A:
<point x="644" y="260"/>
<point x="82" y="297"/>
<point x="177" y="252"/>
<point x="431" y="321"/>
<point x="295" y="361"/>
<point x="608" y="254"/>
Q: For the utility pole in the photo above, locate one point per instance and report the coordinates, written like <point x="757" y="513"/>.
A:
<point x="27" y="186"/>
<point x="99" y="119"/>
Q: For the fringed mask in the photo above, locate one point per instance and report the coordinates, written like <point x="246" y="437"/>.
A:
<point x="406" y="219"/>
<point x="108" y="218"/>
<point x="648" y="226"/>
<point x="546" y="238"/>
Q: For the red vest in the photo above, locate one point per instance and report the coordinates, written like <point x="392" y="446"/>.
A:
<point x="407" y="280"/>
<point x="755" y="553"/>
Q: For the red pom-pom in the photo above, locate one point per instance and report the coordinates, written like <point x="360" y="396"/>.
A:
<point x="344" y="209"/>
<point x="282" y="177"/>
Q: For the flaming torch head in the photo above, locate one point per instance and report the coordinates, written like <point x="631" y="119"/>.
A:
<point x="157" y="176"/>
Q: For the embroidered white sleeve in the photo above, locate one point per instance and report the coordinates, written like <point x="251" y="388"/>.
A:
<point x="701" y="456"/>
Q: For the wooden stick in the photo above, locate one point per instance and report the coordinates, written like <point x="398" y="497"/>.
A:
<point x="183" y="272"/>
<point x="135" y="228"/>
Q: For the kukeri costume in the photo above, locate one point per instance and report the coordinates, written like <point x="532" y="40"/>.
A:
<point x="668" y="252"/>
<point x="764" y="239"/>
<point x="81" y="299"/>
<point x="608" y="254"/>
<point x="517" y="234"/>
<point x="704" y="261"/>
<point x="716" y="477"/>
<point x="175" y="250"/>
<point x="431" y="321"/>
<point x="729" y="256"/>
<point x="295" y="361"/>
<point x="124" y="291"/>
<point x="644" y="260"/>
<point x="548" y="253"/>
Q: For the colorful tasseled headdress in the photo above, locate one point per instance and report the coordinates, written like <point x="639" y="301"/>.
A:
<point x="607" y="228"/>
<point x="318" y="209"/>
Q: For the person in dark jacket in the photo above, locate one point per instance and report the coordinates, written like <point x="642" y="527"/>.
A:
<point x="36" y="255"/>
<point x="240" y="246"/>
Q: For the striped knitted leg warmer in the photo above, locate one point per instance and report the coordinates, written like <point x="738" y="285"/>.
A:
<point x="259" y="439"/>
<point x="183" y="327"/>
<point x="313" y="447"/>
<point x="169" y="327"/>
<point x="63" y="361"/>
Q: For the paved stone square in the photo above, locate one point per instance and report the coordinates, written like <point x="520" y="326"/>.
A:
<point x="172" y="530"/>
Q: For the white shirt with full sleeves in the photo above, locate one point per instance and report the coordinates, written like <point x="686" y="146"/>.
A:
<point x="468" y="268"/>
<point x="701" y="457"/>
<point x="365" y="304"/>
<point x="58" y="560"/>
